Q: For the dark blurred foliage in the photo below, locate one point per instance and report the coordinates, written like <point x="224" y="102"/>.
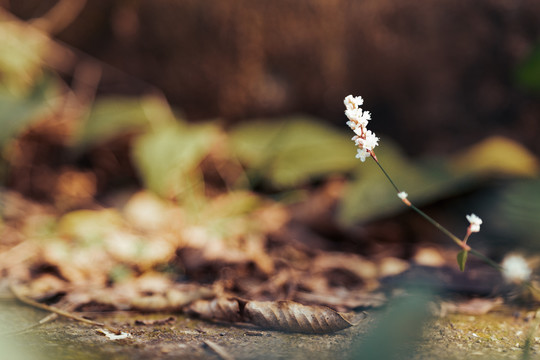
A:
<point x="437" y="75"/>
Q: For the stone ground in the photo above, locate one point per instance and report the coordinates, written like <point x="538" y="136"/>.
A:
<point x="499" y="335"/>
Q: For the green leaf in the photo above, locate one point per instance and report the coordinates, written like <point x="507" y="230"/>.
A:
<point x="113" y="116"/>
<point x="21" y="58"/>
<point x="168" y="157"/>
<point x="512" y="211"/>
<point x="495" y="155"/>
<point x="462" y="259"/>
<point x="528" y="72"/>
<point x="370" y="195"/>
<point x="289" y="152"/>
<point x="226" y="215"/>
<point x="233" y="204"/>
<point x="17" y="112"/>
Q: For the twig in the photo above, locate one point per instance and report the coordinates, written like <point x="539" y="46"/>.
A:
<point x="219" y="350"/>
<point x="60" y="16"/>
<point x="46" y="319"/>
<point x="24" y="299"/>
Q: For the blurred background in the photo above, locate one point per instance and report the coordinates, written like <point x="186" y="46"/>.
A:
<point x="436" y="76"/>
<point x="154" y="153"/>
<point x="453" y="87"/>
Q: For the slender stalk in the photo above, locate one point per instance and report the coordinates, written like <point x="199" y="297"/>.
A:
<point x="486" y="260"/>
<point x="24" y="299"/>
<point x="423" y="214"/>
<point x="438" y="226"/>
<point x="386" y="174"/>
<point x="445" y="231"/>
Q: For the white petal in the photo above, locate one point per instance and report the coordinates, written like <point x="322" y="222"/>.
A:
<point x="475" y="222"/>
<point x="349" y="102"/>
<point x="371" y="140"/>
<point x="354" y="114"/>
<point x="362" y="154"/>
<point x="359" y="131"/>
<point x="352" y="124"/>
<point x="352" y="102"/>
<point x="402" y="195"/>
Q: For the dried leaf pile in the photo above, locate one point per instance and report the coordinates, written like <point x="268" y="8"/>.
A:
<point x="107" y="259"/>
<point x="261" y="268"/>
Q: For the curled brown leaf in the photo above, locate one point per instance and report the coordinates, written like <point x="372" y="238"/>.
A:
<point x="221" y="309"/>
<point x="294" y="317"/>
<point x="287" y="316"/>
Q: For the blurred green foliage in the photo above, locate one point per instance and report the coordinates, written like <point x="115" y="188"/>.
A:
<point x="399" y="330"/>
<point x="513" y="212"/>
<point x="17" y="111"/>
<point x="28" y="91"/>
<point x="168" y="157"/>
<point x="21" y="64"/>
<point x="370" y="196"/>
<point x="291" y="151"/>
<point x="277" y="154"/>
<point x="111" y="116"/>
<point x="528" y="73"/>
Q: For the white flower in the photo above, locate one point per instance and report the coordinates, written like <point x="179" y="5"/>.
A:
<point x="364" y="139"/>
<point x="352" y="102"/>
<point x="366" y="115"/>
<point x="358" y="117"/>
<point x="353" y="124"/>
<point x="475" y="222"/>
<point x="515" y="268"/>
<point x="362" y="154"/>
<point x="371" y="140"/>
<point x="402" y="195"/>
<point x="368" y="141"/>
<point x="359" y="131"/>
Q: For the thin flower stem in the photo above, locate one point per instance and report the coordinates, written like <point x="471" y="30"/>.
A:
<point x="486" y="260"/>
<point x="423" y="214"/>
<point x="365" y="140"/>
<point x="438" y="226"/>
<point x="386" y="174"/>
<point x="454" y="238"/>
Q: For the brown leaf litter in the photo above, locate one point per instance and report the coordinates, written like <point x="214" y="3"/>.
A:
<point x="259" y="267"/>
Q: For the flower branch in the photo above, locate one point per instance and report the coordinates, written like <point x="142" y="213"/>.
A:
<point x="513" y="268"/>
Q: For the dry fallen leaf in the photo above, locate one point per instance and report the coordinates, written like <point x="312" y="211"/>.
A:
<point x="220" y="309"/>
<point x="295" y="317"/>
<point x="287" y="316"/>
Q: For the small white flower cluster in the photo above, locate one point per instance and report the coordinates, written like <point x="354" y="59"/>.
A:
<point x="402" y="195"/>
<point x="358" y="120"/>
<point x="475" y="223"/>
<point x="515" y="268"/>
